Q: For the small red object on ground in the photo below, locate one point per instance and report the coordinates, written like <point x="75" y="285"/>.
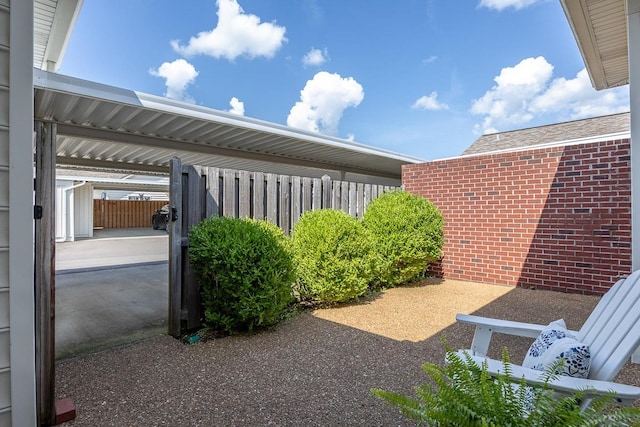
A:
<point x="65" y="410"/>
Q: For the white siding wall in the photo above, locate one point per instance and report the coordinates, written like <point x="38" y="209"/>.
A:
<point x="74" y="210"/>
<point x="5" y="373"/>
<point x="62" y="210"/>
<point x="17" y="362"/>
<point x="83" y="211"/>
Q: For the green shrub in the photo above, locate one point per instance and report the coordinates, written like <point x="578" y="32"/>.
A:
<point x="465" y="394"/>
<point x="244" y="271"/>
<point x="408" y="231"/>
<point x="276" y="232"/>
<point x="334" y="256"/>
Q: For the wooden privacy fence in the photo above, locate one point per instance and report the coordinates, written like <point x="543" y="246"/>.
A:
<point x="124" y="213"/>
<point x="281" y="199"/>
<point x="198" y="192"/>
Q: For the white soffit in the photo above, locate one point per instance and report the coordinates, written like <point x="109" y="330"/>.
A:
<point x="600" y="28"/>
<point x="53" y="22"/>
<point x="105" y="126"/>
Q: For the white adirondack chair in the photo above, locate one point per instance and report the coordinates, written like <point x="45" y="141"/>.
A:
<point x="612" y="332"/>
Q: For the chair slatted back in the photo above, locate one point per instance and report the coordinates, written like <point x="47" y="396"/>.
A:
<point x="612" y="331"/>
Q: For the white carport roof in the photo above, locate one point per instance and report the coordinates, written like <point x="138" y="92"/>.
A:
<point x="107" y="127"/>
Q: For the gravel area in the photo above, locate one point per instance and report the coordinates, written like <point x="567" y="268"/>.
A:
<point x="315" y="369"/>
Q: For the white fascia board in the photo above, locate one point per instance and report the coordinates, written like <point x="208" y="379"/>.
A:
<point x="71" y="85"/>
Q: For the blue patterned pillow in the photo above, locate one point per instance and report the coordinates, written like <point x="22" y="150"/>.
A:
<point x="554" y="343"/>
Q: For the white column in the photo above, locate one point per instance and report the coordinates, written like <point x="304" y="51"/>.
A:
<point x="633" y="46"/>
<point x="21" y="270"/>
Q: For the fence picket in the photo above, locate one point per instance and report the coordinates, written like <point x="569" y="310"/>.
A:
<point x="213" y="192"/>
<point x="318" y="194"/>
<point x="244" y="193"/>
<point x="296" y="200"/>
<point x="353" y="201"/>
<point x="284" y="205"/>
<point x="229" y="196"/>
<point x="258" y="195"/>
<point x="272" y="198"/>
<point x="335" y="195"/>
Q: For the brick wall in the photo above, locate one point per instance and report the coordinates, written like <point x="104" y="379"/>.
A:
<point x="554" y="218"/>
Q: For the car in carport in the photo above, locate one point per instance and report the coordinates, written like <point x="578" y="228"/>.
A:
<point x="160" y="218"/>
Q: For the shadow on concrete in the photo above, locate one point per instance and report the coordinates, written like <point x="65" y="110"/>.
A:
<point x="110" y="290"/>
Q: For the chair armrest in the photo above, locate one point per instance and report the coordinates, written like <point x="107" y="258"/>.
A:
<point x="485" y="326"/>
<point x="509" y="327"/>
<point x="562" y="384"/>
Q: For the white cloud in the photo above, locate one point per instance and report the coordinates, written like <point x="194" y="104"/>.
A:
<point x="430" y="103"/>
<point x="527" y="91"/>
<point x="178" y="75"/>
<point x="503" y="4"/>
<point x="322" y="102"/>
<point x="578" y="99"/>
<point x="237" y="34"/>
<point x="237" y="106"/>
<point x="430" y="60"/>
<point x="315" y="58"/>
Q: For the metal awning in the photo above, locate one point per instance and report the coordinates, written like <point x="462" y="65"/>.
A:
<point x="108" y="127"/>
<point x="600" y="28"/>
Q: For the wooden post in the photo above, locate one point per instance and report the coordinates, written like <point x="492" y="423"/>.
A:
<point x="44" y="213"/>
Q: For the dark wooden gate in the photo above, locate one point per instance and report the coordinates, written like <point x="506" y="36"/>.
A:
<point x="190" y="203"/>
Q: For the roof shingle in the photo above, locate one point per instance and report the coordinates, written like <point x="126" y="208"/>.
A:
<point x="566" y="131"/>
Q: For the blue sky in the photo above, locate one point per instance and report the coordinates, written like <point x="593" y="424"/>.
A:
<point x="420" y="77"/>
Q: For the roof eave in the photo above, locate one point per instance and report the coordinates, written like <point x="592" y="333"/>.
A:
<point x="66" y="14"/>
<point x="582" y="25"/>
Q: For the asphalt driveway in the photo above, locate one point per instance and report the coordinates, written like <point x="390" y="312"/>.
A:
<point x="110" y="290"/>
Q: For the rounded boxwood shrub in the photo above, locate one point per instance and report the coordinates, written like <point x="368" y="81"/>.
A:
<point x="334" y="256"/>
<point x="276" y="232"/>
<point x="409" y="235"/>
<point x="245" y="273"/>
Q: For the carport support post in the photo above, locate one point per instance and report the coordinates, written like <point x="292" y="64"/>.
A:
<point x="45" y="271"/>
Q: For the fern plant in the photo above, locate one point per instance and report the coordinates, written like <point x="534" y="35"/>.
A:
<point x="465" y="394"/>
